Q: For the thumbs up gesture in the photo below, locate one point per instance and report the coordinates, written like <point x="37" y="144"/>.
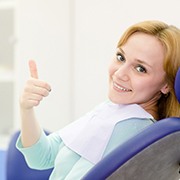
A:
<point x="35" y="90"/>
<point x="33" y="69"/>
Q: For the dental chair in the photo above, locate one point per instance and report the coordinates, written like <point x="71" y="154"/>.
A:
<point x="16" y="167"/>
<point x="153" y="154"/>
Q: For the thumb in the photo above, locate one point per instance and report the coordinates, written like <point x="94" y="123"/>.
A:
<point x="33" y="69"/>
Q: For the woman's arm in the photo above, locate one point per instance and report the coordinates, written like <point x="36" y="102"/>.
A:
<point x="34" y="91"/>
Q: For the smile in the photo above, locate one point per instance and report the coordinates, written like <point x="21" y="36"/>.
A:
<point x="121" y="88"/>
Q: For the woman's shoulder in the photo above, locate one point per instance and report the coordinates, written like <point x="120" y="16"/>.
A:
<point x="124" y="130"/>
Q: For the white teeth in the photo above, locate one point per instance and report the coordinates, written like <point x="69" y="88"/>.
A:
<point x="121" y="88"/>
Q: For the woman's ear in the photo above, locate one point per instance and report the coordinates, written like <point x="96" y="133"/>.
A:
<point x="165" y="89"/>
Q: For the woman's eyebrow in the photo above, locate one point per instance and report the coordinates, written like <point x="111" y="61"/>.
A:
<point x="119" y="48"/>
<point x="143" y="62"/>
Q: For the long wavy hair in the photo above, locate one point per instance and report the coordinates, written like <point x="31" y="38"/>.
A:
<point x="169" y="36"/>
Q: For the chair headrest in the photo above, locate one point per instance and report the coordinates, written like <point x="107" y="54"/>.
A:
<point x="177" y="85"/>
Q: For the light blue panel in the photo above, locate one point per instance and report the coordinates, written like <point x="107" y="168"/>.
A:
<point x="2" y="164"/>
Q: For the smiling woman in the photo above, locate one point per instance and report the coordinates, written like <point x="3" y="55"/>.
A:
<point x="168" y="38"/>
<point x="136" y="73"/>
<point x="141" y="90"/>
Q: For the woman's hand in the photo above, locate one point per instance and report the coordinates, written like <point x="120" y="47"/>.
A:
<point x="35" y="90"/>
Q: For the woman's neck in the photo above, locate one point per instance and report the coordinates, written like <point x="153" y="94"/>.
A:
<point x="152" y="107"/>
<point x="153" y="111"/>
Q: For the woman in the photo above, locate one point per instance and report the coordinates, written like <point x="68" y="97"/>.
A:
<point x="141" y="80"/>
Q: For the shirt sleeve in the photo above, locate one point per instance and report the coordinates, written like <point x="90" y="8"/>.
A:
<point x="125" y="130"/>
<point x="42" y="154"/>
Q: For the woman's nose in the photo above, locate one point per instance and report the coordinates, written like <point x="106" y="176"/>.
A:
<point x="122" y="73"/>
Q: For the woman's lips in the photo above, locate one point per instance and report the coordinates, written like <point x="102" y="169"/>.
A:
<point x="121" y="88"/>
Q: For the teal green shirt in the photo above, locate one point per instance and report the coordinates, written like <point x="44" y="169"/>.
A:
<point x="50" y="151"/>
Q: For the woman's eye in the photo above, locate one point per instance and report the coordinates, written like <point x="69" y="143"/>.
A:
<point x="141" y="69"/>
<point x="120" y="57"/>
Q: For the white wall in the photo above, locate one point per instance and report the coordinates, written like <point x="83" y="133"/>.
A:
<point x="73" y="42"/>
<point x="43" y="34"/>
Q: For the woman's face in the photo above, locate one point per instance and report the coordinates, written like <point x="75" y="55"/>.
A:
<point x="136" y="72"/>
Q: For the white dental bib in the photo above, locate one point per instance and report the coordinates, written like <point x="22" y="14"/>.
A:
<point x="89" y="135"/>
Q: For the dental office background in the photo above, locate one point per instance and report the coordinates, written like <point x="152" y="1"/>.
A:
<point x="72" y="42"/>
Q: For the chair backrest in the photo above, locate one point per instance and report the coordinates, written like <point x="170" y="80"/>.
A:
<point x="16" y="167"/>
<point x="153" y="154"/>
<point x="177" y="85"/>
